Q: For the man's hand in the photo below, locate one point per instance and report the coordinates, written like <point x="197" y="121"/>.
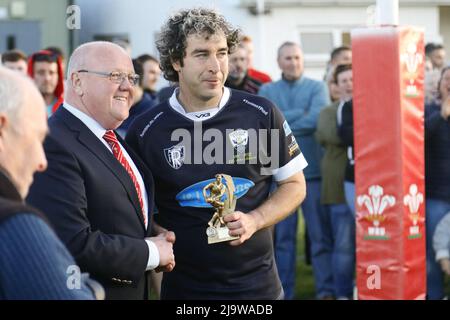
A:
<point x="164" y="242"/>
<point x="445" y="265"/>
<point x="242" y="225"/>
<point x="157" y="229"/>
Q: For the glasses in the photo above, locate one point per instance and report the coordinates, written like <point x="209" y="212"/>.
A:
<point x="116" y="76"/>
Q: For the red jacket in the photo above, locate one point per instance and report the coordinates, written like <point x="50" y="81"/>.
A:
<point x="258" y="75"/>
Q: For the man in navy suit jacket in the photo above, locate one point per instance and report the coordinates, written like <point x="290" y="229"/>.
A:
<point x="98" y="195"/>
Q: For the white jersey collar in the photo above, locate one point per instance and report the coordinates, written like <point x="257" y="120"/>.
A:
<point x="198" y="115"/>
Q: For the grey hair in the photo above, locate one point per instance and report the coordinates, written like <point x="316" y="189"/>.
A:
<point x="171" y="42"/>
<point x="286" y="44"/>
<point x="12" y="92"/>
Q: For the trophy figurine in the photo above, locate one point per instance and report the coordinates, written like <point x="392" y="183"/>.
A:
<point x="217" y="230"/>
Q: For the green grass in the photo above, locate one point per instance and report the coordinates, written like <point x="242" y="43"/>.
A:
<point x="304" y="285"/>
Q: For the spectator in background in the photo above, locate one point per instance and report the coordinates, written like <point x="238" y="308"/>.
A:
<point x="15" y="60"/>
<point x="345" y="132"/>
<point x="142" y="100"/>
<point x="46" y="69"/>
<point x="441" y="243"/>
<point x="34" y="264"/>
<point x="301" y="99"/>
<point x="58" y="51"/>
<point x="332" y="86"/>
<point x="430" y="82"/>
<point x="339" y="229"/>
<point x="435" y="61"/>
<point x="150" y="73"/>
<point x="436" y="54"/>
<point x="339" y="55"/>
<point x="238" y="77"/>
<point x="247" y="42"/>
<point x="437" y="177"/>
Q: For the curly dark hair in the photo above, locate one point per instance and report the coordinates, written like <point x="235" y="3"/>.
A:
<point x="172" y="40"/>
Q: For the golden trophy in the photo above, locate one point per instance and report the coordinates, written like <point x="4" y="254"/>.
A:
<point x="217" y="230"/>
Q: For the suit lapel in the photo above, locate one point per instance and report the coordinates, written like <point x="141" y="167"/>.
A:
<point x="87" y="138"/>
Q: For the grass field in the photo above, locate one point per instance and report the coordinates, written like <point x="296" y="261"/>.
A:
<point x="304" y="285"/>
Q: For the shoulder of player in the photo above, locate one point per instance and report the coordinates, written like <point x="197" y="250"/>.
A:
<point x="150" y="118"/>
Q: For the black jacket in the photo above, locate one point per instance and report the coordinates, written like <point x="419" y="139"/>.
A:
<point x="91" y="201"/>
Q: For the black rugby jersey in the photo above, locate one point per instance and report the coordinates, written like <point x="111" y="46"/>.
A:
<point x="184" y="153"/>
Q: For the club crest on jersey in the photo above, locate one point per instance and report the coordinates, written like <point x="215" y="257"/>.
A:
<point x="239" y="139"/>
<point x="175" y="156"/>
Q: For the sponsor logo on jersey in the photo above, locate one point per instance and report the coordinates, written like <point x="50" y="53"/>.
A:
<point x="254" y="105"/>
<point x="192" y="196"/>
<point x="150" y="124"/>
<point x="202" y="115"/>
<point x="293" y="146"/>
<point x="287" y="129"/>
<point x="175" y="156"/>
<point x="239" y="138"/>
<point x="243" y="158"/>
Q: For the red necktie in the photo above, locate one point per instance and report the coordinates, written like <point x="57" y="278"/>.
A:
<point x="111" y="138"/>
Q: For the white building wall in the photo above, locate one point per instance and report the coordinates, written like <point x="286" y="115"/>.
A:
<point x="141" y="19"/>
<point x="287" y="23"/>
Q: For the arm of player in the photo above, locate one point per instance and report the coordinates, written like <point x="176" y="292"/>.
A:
<point x="288" y="196"/>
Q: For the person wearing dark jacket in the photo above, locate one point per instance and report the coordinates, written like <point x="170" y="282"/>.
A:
<point x="437" y="177"/>
<point x="339" y="229"/>
<point x="238" y="77"/>
<point x="345" y="132"/>
<point x="34" y="264"/>
<point x="96" y="191"/>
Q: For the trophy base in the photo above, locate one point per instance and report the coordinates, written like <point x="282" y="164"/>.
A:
<point x="220" y="234"/>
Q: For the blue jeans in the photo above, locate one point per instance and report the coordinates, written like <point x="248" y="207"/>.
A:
<point x="343" y="256"/>
<point x="285" y="247"/>
<point x="435" y="211"/>
<point x="349" y="188"/>
<point x="318" y="226"/>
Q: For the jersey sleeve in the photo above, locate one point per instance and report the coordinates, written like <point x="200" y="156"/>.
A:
<point x="286" y="157"/>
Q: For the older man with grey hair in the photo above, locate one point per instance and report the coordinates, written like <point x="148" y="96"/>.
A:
<point x="96" y="191"/>
<point x="33" y="261"/>
<point x="300" y="99"/>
